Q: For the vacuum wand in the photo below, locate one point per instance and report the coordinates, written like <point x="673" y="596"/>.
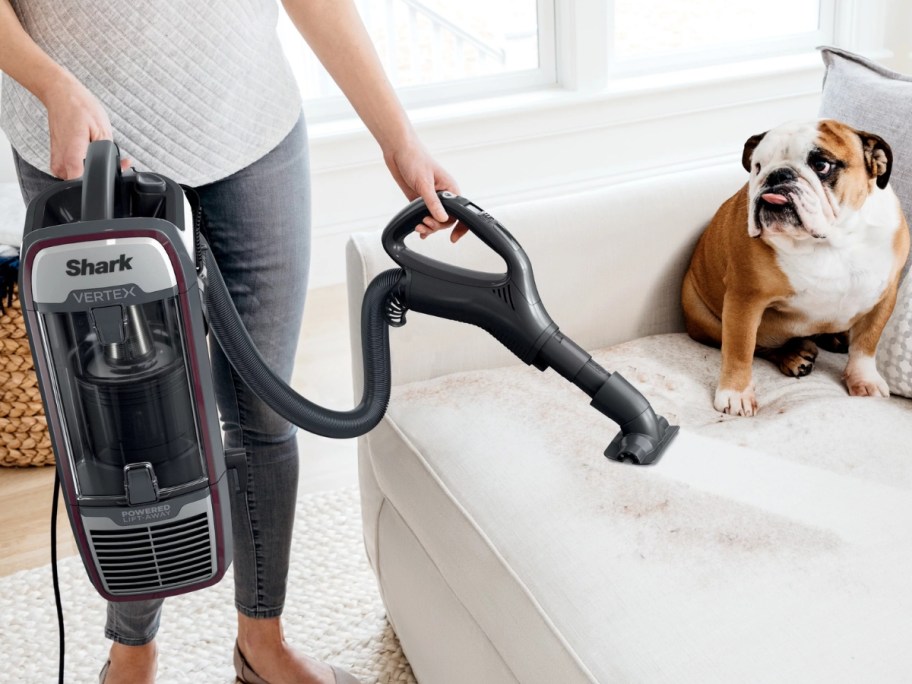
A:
<point x="507" y="305"/>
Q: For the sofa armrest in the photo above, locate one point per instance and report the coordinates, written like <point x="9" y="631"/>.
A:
<point x="608" y="263"/>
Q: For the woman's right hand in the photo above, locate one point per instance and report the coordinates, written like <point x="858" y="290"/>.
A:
<point x="75" y="118"/>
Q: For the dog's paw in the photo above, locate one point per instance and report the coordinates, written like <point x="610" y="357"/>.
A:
<point x="867" y="385"/>
<point x="796" y="359"/>
<point x="863" y="380"/>
<point x="735" y="402"/>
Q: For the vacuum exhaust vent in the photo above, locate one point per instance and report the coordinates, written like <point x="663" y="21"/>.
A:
<point x="145" y="559"/>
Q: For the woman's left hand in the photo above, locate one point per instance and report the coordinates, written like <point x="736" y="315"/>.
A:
<point x="418" y="175"/>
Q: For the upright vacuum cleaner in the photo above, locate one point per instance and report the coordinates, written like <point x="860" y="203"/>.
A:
<point x="118" y="285"/>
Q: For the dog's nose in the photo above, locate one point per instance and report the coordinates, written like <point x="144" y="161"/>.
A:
<point x="780" y="177"/>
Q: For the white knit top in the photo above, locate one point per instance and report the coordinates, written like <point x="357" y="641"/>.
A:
<point x="195" y="89"/>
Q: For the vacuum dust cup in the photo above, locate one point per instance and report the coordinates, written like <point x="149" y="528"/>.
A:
<point x="116" y="325"/>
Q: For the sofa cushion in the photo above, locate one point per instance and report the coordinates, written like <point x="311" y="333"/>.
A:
<point x="894" y="353"/>
<point x="622" y="248"/>
<point x="786" y="562"/>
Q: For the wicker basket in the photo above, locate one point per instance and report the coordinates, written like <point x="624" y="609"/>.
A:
<point x="24" y="439"/>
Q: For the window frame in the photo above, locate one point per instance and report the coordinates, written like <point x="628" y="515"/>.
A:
<point x="327" y="109"/>
<point x="575" y="57"/>
<point x="621" y="67"/>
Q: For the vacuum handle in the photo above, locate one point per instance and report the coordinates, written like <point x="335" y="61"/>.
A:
<point x="478" y="221"/>
<point x="99" y="180"/>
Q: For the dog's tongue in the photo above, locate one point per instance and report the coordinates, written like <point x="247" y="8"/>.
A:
<point x="774" y="198"/>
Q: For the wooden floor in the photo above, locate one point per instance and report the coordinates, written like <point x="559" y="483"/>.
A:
<point x="322" y="373"/>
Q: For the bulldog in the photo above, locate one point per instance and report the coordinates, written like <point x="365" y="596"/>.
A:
<point x="809" y="252"/>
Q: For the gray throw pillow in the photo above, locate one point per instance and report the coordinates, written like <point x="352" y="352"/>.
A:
<point x="894" y="353"/>
<point x="869" y="97"/>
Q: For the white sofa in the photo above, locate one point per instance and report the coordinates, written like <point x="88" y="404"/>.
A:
<point x="507" y="548"/>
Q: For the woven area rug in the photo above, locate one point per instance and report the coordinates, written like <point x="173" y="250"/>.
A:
<point x="333" y="612"/>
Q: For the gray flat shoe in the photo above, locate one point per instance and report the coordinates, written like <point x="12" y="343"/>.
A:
<point x="247" y="675"/>
<point x="104" y="672"/>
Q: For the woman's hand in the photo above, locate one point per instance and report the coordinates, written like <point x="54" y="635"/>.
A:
<point x="418" y="175"/>
<point x="75" y="118"/>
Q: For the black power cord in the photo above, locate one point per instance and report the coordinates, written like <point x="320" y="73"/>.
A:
<point x="54" y="574"/>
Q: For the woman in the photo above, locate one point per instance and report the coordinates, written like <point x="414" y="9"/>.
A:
<point x="202" y="93"/>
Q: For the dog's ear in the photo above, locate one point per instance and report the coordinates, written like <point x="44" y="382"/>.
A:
<point x="878" y="157"/>
<point x="749" y="148"/>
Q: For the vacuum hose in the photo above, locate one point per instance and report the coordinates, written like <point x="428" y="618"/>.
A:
<point x="506" y="305"/>
<point x="241" y="352"/>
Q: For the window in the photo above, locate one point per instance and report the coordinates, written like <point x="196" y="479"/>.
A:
<point x="438" y="50"/>
<point x="651" y="34"/>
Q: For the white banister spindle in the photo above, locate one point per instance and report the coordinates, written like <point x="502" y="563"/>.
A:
<point x="467" y="45"/>
<point x="392" y="63"/>
<point x="436" y="39"/>
<point x="415" y="64"/>
<point x="461" y="51"/>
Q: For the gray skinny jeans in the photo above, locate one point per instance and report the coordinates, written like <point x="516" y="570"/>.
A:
<point x="259" y="227"/>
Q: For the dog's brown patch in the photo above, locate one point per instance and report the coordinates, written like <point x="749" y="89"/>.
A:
<point x="866" y="157"/>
